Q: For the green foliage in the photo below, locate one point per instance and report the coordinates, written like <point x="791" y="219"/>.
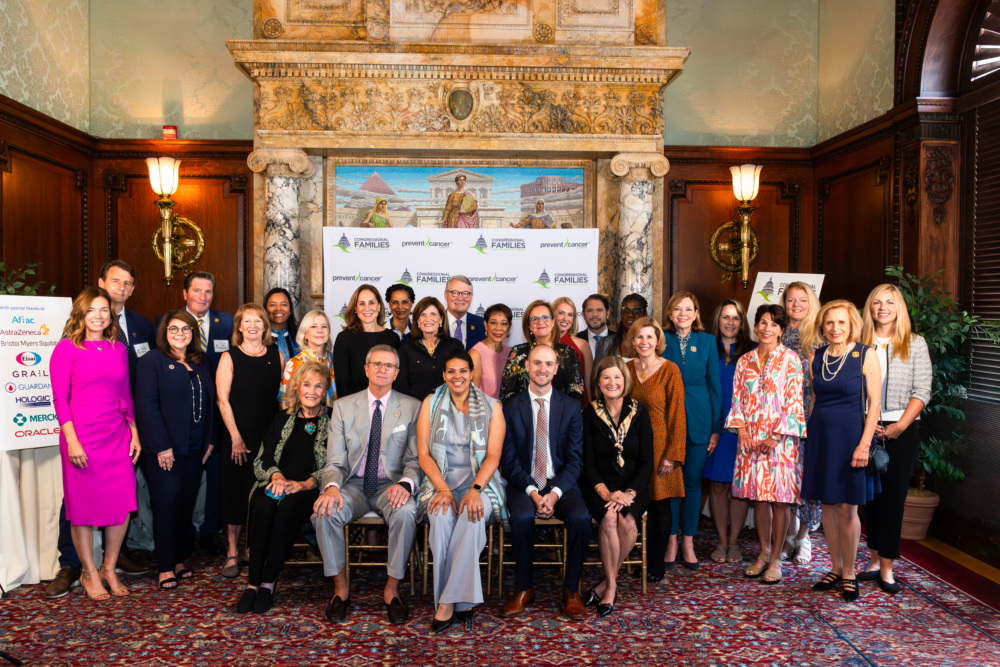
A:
<point x="945" y="327"/>
<point x="15" y="281"/>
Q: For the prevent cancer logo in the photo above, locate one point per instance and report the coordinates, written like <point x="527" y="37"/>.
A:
<point x="543" y="280"/>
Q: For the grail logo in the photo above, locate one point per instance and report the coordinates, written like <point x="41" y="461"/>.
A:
<point x="344" y="244"/>
<point x="28" y="358"/>
<point x="543" y="280"/>
<point x="480" y="246"/>
<point x="19" y="419"/>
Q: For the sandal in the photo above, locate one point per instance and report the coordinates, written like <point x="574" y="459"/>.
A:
<point x="749" y="573"/>
<point x="788" y="548"/>
<point x="100" y="596"/>
<point x="120" y="593"/>
<point x="184" y="573"/>
<point x="719" y="555"/>
<point x="169" y="584"/>
<point x="803" y="550"/>
<point x="734" y="554"/>
<point x="827" y="583"/>
<point x="769" y="577"/>
<point x="231" y="571"/>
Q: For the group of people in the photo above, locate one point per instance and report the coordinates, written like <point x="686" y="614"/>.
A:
<point x="419" y="411"/>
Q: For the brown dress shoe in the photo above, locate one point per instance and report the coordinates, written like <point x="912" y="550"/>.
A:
<point x="66" y="578"/>
<point x="573" y="605"/>
<point x="516" y="604"/>
<point x="127" y="565"/>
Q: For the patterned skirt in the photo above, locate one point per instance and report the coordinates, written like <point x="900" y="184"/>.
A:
<point x="775" y="477"/>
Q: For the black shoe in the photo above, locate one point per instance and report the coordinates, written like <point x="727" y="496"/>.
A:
<point x="606" y="609"/>
<point x="827" y="583"/>
<point x="439" y="626"/>
<point x="336" y="610"/>
<point x="264" y="601"/>
<point x="127" y="565"/>
<point x="592" y="597"/>
<point x="245" y="605"/>
<point x="869" y="575"/>
<point x="850" y="590"/>
<point x="210" y="545"/>
<point x="397" y="611"/>
<point x="654" y="576"/>
<point x="669" y="564"/>
<point x="464" y="617"/>
<point x="691" y="566"/>
<point x="891" y="589"/>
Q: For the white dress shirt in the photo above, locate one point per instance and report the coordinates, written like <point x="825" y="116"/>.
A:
<point x="465" y="326"/>
<point x="202" y="324"/>
<point x="123" y="325"/>
<point x="550" y="471"/>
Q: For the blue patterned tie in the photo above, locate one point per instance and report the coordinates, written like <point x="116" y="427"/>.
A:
<point x="458" y="331"/>
<point x="374" y="447"/>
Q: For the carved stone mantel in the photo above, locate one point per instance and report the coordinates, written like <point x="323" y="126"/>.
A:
<point x="281" y="162"/>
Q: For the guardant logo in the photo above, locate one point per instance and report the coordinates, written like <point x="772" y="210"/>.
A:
<point x="344" y="244"/>
<point x="543" y="280"/>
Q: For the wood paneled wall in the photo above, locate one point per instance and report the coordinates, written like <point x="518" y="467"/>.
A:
<point x="71" y="202"/>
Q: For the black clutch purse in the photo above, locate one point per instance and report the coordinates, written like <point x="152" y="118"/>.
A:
<point x="878" y="458"/>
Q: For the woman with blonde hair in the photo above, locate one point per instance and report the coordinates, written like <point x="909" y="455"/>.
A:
<point x="845" y="383"/>
<point x="364" y="328"/>
<point x="98" y="441"/>
<point x="248" y="375"/>
<point x="379" y="215"/>
<point x="314" y="344"/>
<point x="802" y="305"/>
<point x="538" y="326"/>
<point x="907" y="383"/>
<point x="568" y="323"/>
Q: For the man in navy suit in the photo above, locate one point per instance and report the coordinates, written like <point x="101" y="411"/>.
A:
<point x="541" y="460"/>
<point x="468" y="328"/>
<point x="595" y="314"/>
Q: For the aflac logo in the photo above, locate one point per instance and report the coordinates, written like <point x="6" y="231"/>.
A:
<point x="480" y="246"/>
<point x="21" y="319"/>
<point x="543" y="280"/>
<point x="20" y="419"/>
<point x="344" y="243"/>
<point x="28" y="358"/>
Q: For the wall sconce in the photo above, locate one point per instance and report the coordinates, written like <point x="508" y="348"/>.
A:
<point x="734" y="244"/>
<point x="178" y="242"/>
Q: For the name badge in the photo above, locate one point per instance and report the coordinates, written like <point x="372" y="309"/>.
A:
<point x="221" y="345"/>
<point x="141" y="349"/>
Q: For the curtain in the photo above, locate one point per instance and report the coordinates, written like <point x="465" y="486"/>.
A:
<point x="31" y="493"/>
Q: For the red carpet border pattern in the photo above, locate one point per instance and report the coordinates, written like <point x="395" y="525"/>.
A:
<point x="710" y="617"/>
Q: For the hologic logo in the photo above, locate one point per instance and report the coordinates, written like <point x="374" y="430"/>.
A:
<point x="543" y="280"/>
<point x="28" y="358"/>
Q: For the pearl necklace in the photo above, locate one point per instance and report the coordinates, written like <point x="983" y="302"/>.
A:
<point x="200" y="412"/>
<point x="828" y="367"/>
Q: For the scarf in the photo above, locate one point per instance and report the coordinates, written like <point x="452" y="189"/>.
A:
<point x="629" y="410"/>
<point x="480" y="413"/>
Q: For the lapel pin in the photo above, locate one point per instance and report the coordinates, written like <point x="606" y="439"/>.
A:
<point x="171" y="367"/>
<point x="216" y="320"/>
<point x="694" y="349"/>
<point x="395" y="414"/>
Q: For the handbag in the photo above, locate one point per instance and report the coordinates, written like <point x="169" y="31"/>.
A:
<point x="878" y="455"/>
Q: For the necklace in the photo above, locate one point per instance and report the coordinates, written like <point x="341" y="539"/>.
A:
<point x="829" y="367"/>
<point x="644" y="370"/>
<point x="454" y="431"/>
<point x="200" y="411"/>
<point x="263" y="349"/>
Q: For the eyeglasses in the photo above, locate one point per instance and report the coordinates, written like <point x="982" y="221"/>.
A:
<point x="634" y="311"/>
<point x="456" y="294"/>
<point x="539" y="319"/>
<point x="177" y="330"/>
<point x="378" y="365"/>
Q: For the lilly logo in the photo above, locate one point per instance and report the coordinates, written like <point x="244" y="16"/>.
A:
<point x="28" y="358"/>
<point x="344" y="244"/>
<point x="20" y="419"/>
<point x="543" y="280"/>
<point x="480" y="246"/>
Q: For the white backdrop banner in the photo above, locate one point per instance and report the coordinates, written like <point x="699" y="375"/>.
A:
<point x="769" y="285"/>
<point x="30" y="327"/>
<point x="512" y="266"/>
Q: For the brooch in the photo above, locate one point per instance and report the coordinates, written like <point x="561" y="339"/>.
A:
<point x="855" y="354"/>
<point x="694" y="349"/>
<point x="310" y="427"/>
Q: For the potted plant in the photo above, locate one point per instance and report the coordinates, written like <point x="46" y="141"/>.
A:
<point x="945" y="326"/>
<point x="16" y="282"/>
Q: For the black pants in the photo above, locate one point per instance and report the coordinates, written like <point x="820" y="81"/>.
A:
<point x="884" y="513"/>
<point x="172" y="495"/>
<point x="658" y="531"/>
<point x="272" y="529"/>
<point x="572" y="511"/>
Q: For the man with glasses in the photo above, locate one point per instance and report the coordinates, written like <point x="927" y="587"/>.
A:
<point x="467" y="328"/>
<point x="634" y="306"/>
<point x="371" y="466"/>
<point x="595" y="313"/>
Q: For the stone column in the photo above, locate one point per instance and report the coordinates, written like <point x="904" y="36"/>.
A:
<point x="638" y="175"/>
<point x="283" y="168"/>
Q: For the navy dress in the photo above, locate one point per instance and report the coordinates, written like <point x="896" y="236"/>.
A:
<point x="721" y="464"/>
<point x="834" y="431"/>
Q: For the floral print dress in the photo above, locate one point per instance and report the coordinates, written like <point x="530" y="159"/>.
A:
<point x="767" y="401"/>
<point x="568" y="379"/>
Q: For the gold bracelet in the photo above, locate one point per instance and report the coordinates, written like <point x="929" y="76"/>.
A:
<point x="442" y="490"/>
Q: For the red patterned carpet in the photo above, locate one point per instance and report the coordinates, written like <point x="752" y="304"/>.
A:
<point x="710" y="617"/>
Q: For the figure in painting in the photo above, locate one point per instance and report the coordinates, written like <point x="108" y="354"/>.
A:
<point x="537" y="220"/>
<point x="461" y="210"/>
<point x="378" y="216"/>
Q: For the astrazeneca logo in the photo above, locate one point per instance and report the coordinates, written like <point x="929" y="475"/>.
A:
<point x="565" y="244"/>
<point x="356" y="278"/>
<point x="427" y="244"/>
<point x="433" y="278"/>
<point x="28" y="358"/>
<point x="372" y="243"/>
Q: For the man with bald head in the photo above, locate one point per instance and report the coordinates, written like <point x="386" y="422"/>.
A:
<point x="541" y="461"/>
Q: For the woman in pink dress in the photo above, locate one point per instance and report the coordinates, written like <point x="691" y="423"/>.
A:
<point x="98" y="441"/>
<point x="489" y="356"/>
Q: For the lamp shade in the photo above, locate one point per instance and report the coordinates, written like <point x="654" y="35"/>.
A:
<point x="746" y="181"/>
<point x="163" y="175"/>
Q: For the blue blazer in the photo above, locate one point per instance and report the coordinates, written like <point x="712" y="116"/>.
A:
<point x="140" y="330"/>
<point x="220" y="327"/>
<point x="565" y="441"/>
<point x="702" y="386"/>
<point x="476" y="330"/>
<point x="163" y="404"/>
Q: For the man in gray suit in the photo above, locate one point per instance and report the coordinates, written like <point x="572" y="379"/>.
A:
<point x="371" y="466"/>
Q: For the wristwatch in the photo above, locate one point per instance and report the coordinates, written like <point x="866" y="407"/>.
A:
<point x="477" y="487"/>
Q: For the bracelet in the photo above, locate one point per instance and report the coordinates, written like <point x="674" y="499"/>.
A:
<point x="442" y="490"/>
<point x="630" y="492"/>
<point x="599" y="487"/>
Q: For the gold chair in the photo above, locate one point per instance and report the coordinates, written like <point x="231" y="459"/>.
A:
<point x="372" y="519"/>
<point x="560" y="547"/>
<point x="427" y="562"/>
<point x="640" y="544"/>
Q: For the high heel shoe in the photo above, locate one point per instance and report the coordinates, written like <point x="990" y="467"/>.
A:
<point x="99" y="597"/>
<point x="440" y="626"/>
<point x="120" y="593"/>
<point x="464" y="617"/>
<point x="606" y="609"/>
<point x="592" y="597"/>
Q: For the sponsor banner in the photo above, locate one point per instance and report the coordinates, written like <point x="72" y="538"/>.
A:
<point x="769" y="286"/>
<point x="30" y="327"/>
<point x="510" y="266"/>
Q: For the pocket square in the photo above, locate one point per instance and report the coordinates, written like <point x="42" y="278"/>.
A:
<point x="401" y="427"/>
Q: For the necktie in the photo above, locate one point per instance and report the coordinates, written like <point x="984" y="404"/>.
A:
<point x="597" y="342"/>
<point x="541" y="446"/>
<point x="122" y="338"/>
<point x="458" y="331"/>
<point x="201" y="334"/>
<point x="374" y="447"/>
